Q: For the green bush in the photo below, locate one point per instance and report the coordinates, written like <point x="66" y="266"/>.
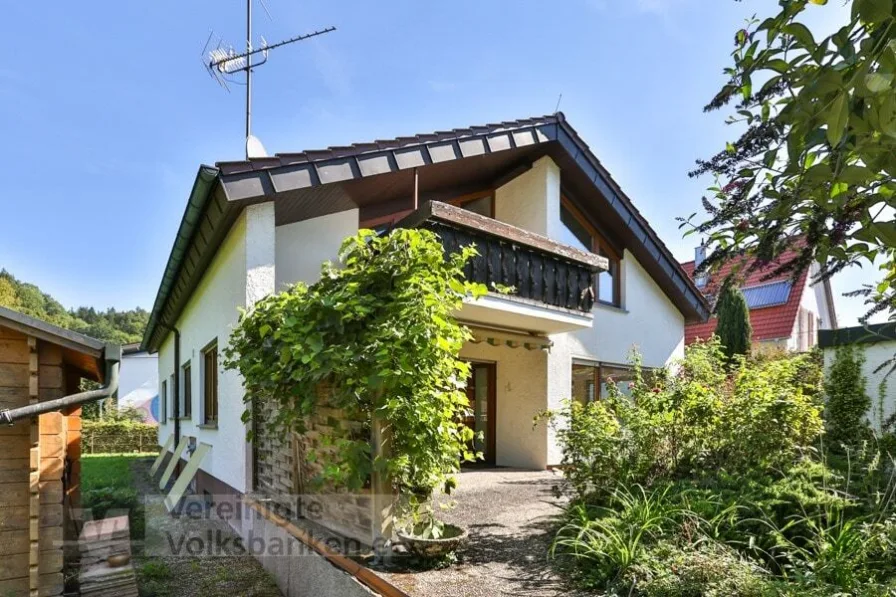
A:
<point x="692" y="417"/>
<point x="708" y="480"/>
<point x="847" y="401"/>
<point x="704" y="569"/>
<point x="118" y="436"/>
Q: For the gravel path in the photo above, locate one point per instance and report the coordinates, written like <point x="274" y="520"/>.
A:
<point x="509" y="517"/>
<point x="165" y="568"/>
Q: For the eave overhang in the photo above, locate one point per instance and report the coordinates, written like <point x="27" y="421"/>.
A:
<point x="314" y="183"/>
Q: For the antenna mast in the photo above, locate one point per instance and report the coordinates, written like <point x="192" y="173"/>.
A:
<point x="223" y="63"/>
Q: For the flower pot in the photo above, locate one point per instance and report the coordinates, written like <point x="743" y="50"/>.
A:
<point x="452" y="538"/>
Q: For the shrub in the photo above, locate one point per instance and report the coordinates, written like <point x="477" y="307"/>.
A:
<point x="847" y="402"/>
<point x="704" y="569"/>
<point x="733" y="327"/>
<point x="693" y="417"/>
<point x="118" y="436"/>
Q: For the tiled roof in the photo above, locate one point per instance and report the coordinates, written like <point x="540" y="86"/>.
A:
<point x="771" y="319"/>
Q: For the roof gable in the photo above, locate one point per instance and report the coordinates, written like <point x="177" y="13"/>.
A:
<point x="774" y="300"/>
<point x="313" y="183"/>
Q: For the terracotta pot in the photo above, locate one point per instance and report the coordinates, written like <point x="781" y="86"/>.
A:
<point x="452" y="538"/>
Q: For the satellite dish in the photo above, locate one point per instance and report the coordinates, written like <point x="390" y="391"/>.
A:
<point x="254" y="148"/>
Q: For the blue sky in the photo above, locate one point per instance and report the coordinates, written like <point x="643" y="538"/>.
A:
<point x="106" y="111"/>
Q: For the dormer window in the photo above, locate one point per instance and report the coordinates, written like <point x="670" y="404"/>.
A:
<point x="579" y="233"/>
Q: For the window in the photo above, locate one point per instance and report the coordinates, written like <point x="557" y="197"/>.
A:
<point x="210" y="385"/>
<point x="579" y="233"/>
<point x="186" y="406"/>
<point x="171" y="394"/>
<point x="590" y="381"/>
<point x="163" y="402"/>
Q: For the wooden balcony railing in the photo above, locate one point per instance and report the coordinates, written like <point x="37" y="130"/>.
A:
<point x="540" y="269"/>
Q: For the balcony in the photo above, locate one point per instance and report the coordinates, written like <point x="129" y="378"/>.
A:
<point x="553" y="283"/>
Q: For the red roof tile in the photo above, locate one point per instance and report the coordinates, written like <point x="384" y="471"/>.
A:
<point x="769" y="323"/>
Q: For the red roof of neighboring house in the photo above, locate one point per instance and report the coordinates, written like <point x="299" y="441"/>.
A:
<point x="769" y="323"/>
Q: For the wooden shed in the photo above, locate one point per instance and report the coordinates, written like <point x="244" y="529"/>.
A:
<point x="39" y="455"/>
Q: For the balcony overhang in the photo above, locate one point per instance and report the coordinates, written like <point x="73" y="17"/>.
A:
<point x="514" y="313"/>
<point x="553" y="283"/>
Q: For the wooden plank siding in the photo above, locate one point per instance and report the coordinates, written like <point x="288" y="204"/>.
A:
<point x="32" y="464"/>
<point x="15" y="468"/>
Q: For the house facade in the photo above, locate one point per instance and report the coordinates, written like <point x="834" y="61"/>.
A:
<point x="138" y="386"/>
<point x="786" y="313"/>
<point x="592" y="280"/>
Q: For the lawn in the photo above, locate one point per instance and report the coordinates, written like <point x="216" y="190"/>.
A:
<point x="107" y="470"/>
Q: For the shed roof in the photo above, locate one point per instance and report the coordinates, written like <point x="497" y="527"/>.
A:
<point x="82" y="352"/>
<point x="378" y="174"/>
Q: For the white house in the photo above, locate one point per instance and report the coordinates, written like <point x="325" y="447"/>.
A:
<point x="593" y="279"/>
<point x="138" y="385"/>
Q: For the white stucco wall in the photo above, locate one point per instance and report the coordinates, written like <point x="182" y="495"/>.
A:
<point x="303" y="246"/>
<point x="875" y="355"/>
<point x="647" y="321"/>
<point x="242" y="272"/>
<point x="532" y="199"/>
<point x="520" y="394"/>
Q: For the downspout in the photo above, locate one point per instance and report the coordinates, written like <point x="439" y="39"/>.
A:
<point x="113" y="360"/>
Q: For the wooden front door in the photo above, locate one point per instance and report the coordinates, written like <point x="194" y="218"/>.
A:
<point x="481" y="419"/>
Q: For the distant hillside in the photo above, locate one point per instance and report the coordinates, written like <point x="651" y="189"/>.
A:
<point x="121" y="327"/>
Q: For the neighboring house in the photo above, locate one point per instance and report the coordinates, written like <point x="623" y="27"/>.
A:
<point x="877" y="342"/>
<point x="546" y="216"/>
<point x="138" y="387"/>
<point x="41" y="366"/>
<point x="784" y="313"/>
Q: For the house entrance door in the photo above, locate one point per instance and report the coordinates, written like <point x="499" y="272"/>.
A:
<point x="481" y="394"/>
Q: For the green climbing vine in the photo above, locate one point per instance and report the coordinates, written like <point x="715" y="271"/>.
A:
<point x="378" y="330"/>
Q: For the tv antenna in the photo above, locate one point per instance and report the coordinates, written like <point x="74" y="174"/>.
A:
<point x="224" y="63"/>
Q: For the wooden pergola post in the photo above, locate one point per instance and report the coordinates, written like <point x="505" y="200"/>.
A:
<point x="381" y="487"/>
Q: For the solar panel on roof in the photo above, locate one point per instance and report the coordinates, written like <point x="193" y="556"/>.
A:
<point x="768" y="295"/>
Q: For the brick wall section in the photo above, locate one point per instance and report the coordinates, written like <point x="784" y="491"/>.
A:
<point x="283" y="471"/>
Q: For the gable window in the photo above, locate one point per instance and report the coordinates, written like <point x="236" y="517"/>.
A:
<point x="579" y="233"/>
<point x="163" y="402"/>
<point x="186" y="406"/>
<point x="210" y="384"/>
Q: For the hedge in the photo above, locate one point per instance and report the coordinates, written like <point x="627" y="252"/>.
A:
<point x="116" y="437"/>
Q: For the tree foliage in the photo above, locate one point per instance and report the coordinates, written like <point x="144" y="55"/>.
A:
<point x="733" y="328"/>
<point x="122" y="327"/>
<point x="379" y="331"/>
<point x="813" y="170"/>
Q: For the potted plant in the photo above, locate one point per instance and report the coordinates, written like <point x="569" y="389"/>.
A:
<point x="426" y="536"/>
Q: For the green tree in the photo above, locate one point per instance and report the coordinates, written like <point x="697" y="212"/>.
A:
<point x="122" y="327"/>
<point x="847" y="399"/>
<point x="733" y="327"/>
<point x="814" y="168"/>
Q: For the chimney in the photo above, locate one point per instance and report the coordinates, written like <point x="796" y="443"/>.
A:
<point x="699" y="258"/>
